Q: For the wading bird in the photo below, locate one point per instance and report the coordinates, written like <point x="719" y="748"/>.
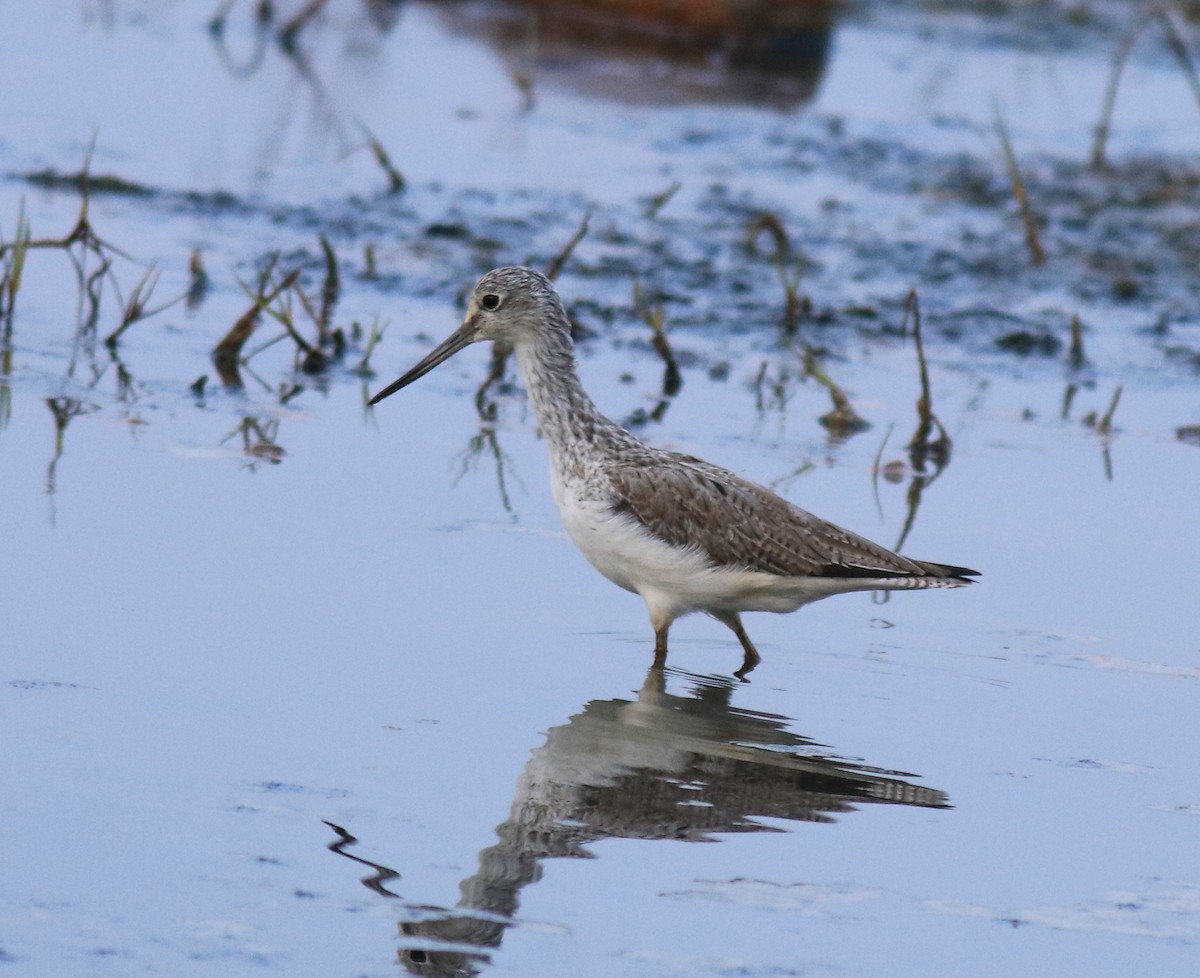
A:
<point x="684" y="534"/>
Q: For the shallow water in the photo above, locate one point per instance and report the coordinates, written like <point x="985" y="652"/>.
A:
<point x="232" y="618"/>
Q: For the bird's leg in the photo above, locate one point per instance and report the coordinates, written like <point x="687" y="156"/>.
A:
<point x="660" y="646"/>
<point x="751" y="657"/>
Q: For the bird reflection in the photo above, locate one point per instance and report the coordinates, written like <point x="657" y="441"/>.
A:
<point x="661" y="766"/>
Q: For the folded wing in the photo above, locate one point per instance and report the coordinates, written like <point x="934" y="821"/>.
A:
<point x="688" y="502"/>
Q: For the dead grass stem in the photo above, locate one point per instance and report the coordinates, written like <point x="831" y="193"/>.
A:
<point x="1075" y="355"/>
<point x="396" y="181"/>
<point x="789" y="266"/>
<point x="843" y="420"/>
<point x="654" y="316"/>
<point x="555" y="266"/>
<point x="227" y="352"/>
<point x="1163" y="16"/>
<point x="659" y="200"/>
<point x="1105" y="425"/>
<point x="1037" y="254"/>
<point x="930" y="442"/>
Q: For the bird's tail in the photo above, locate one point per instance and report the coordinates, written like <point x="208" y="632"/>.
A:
<point x="953" y="576"/>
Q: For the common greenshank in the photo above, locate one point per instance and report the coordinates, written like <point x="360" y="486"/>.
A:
<point x="684" y="534"/>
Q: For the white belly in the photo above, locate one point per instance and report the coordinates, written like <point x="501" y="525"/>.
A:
<point x="674" y="580"/>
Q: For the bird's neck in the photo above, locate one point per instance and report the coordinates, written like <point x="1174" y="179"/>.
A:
<point x="566" y="415"/>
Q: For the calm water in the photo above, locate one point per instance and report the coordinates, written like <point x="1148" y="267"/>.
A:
<point x="234" y="622"/>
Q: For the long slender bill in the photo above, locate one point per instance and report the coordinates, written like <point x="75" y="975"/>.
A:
<point x="463" y="336"/>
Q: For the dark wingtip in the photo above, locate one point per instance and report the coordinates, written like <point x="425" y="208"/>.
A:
<point x="928" y="569"/>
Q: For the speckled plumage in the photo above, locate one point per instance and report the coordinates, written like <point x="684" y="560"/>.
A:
<point x="684" y="534"/>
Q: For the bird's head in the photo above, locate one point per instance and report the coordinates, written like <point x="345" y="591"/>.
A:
<point x="508" y="305"/>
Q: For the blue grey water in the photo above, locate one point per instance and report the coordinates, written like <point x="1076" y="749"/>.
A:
<point x="206" y="656"/>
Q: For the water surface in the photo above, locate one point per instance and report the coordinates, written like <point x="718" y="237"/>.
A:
<point x="254" y="635"/>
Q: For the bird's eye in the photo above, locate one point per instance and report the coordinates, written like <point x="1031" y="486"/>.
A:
<point x="490" y="301"/>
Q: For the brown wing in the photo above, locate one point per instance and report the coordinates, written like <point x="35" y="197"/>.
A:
<point x="689" y="502"/>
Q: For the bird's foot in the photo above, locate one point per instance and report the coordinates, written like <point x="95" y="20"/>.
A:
<point x="749" y="661"/>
